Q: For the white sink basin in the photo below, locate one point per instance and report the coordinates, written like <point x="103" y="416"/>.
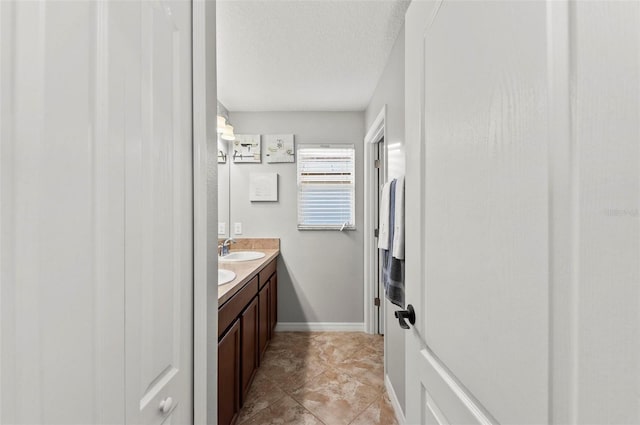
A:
<point x="242" y="256"/>
<point x="225" y="276"/>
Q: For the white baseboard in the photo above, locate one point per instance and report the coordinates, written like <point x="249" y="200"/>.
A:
<point x="402" y="420"/>
<point x="319" y="327"/>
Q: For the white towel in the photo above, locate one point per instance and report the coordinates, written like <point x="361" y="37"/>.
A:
<point x="398" y="228"/>
<point x="383" y="225"/>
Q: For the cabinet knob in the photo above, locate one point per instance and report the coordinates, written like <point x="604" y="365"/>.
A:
<point x="166" y="404"/>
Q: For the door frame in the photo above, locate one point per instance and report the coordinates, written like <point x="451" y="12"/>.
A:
<point x="377" y="131"/>
<point x="205" y="213"/>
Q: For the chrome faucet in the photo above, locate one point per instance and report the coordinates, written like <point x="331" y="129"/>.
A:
<point x="224" y="248"/>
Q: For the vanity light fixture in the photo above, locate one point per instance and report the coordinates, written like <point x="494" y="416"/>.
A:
<point x="225" y="129"/>
<point x="227" y="133"/>
<point x="222" y="122"/>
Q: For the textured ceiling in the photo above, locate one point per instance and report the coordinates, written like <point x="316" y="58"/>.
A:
<point x="311" y="55"/>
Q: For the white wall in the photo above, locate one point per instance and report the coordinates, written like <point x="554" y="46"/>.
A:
<point x="390" y="91"/>
<point x="320" y="276"/>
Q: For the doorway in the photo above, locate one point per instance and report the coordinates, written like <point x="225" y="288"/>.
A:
<point x="375" y="177"/>
<point x="379" y="180"/>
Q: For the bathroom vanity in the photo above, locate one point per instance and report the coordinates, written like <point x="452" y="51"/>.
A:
<point x="247" y="315"/>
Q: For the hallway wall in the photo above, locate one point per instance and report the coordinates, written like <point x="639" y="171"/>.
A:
<point x="320" y="276"/>
<point x="390" y="92"/>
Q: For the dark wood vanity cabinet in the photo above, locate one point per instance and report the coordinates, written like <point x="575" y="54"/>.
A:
<point x="245" y="326"/>
<point x="268" y="304"/>
<point x="229" y="375"/>
<point x="249" y="325"/>
<point x="265" y="321"/>
<point x="273" y="316"/>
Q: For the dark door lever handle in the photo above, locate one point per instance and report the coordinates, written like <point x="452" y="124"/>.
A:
<point x="402" y="315"/>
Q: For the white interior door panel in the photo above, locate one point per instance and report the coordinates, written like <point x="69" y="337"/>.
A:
<point x="96" y="212"/>
<point x="159" y="253"/>
<point x="523" y="152"/>
<point x="62" y="218"/>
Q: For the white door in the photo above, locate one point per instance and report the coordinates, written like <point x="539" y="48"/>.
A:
<point x="159" y="256"/>
<point x="75" y="107"/>
<point x="61" y="217"/>
<point x="523" y="265"/>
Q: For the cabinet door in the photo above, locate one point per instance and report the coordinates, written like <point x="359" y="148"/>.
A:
<point x="229" y="375"/>
<point x="249" y="330"/>
<point x="264" y="334"/>
<point x="273" y="318"/>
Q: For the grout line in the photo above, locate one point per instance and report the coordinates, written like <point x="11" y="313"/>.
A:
<point x="289" y="393"/>
<point x="310" y="412"/>
<point x="377" y="390"/>
<point x="248" y="418"/>
<point x="364" y="410"/>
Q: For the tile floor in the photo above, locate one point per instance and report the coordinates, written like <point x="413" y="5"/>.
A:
<point x="315" y="378"/>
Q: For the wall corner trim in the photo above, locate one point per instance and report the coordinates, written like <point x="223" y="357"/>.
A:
<point x="394" y="401"/>
<point x="320" y="327"/>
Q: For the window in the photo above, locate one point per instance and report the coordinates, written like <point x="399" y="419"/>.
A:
<point x="326" y="187"/>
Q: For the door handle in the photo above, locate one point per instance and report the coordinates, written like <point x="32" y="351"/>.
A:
<point x="402" y="315"/>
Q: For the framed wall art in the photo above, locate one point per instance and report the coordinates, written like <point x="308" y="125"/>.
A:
<point x="246" y="148"/>
<point x="279" y="148"/>
<point x="263" y="187"/>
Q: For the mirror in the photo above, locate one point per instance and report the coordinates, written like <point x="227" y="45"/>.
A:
<point x="224" y="181"/>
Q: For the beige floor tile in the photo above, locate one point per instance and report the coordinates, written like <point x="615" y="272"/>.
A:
<point x="333" y="353"/>
<point x="335" y="398"/>
<point x="285" y="412"/>
<point x="292" y="352"/>
<point x="290" y="370"/>
<point x="263" y="393"/>
<point x="291" y="339"/>
<point x="335" y="347"/>
<point x="343" y="337"/>
<point x="380" y="412"/>
<point x="334" y="377"/>
<point x="367" y="366"/>
<point x="376" y="343"/>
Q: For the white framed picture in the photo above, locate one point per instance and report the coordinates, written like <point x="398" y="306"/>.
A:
<point x="263" y="187"/>
<point x="246" y="148"/>
<point x="280" y="148"/>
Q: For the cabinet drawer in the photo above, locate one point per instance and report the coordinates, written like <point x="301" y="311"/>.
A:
<point x="266" y="273"/>
<point x="232" y="308"/>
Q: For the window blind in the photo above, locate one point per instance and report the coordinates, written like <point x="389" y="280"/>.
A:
<point x="326" y="187"/>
